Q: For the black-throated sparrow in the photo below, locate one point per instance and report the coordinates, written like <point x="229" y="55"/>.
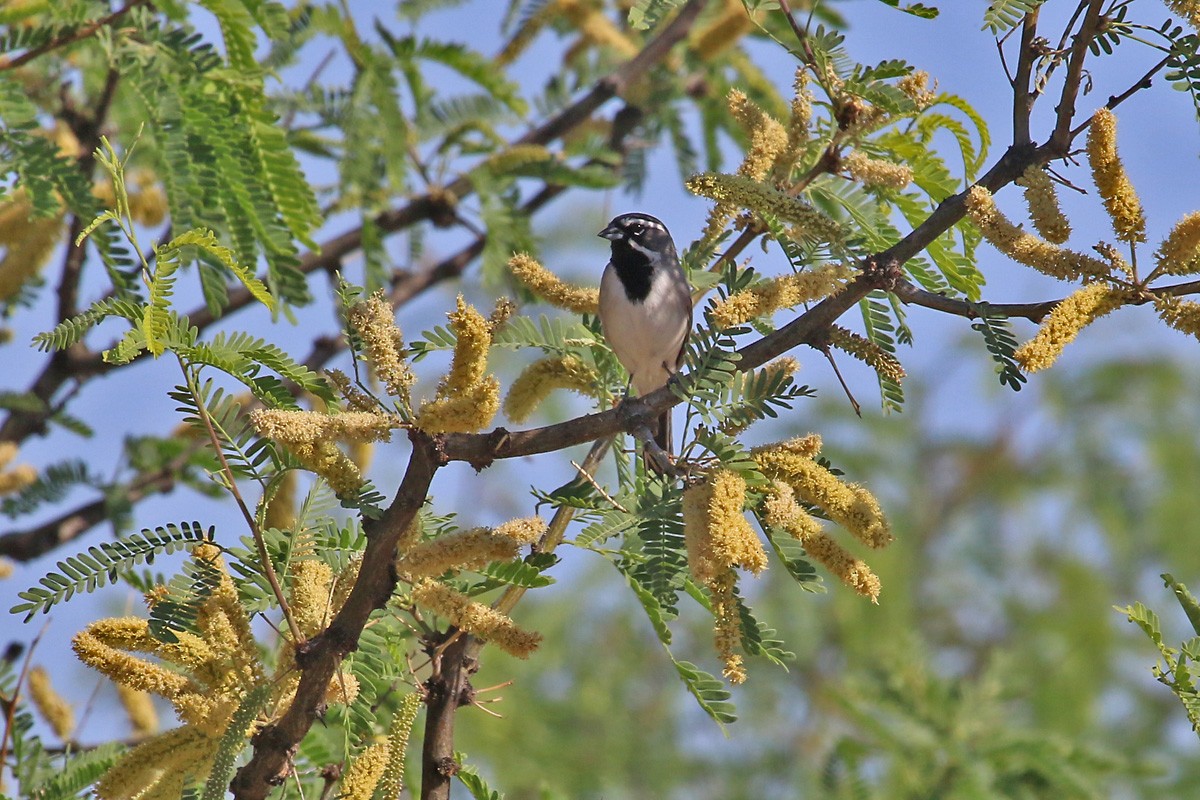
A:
<point x="645" y="306"/>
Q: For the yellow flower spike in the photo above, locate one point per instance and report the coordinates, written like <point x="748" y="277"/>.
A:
<point x="469" y="549"/>
<point x="722" y="31"/>
<point x="292" y="428"/>
<point x="786" y="291"/>
<point x="360" y="780"/>
<point x="524" y="530"/>
<point x="1064" y="323"/>
<point x="1044" y="210"/>
<point x="801" y="116"/>
<point x="345" y="582"/>
<point x="546" y="285"/>
<point x="470" y="412"/>
<point x="466" y="399"/>
<point x="502" y="312"/>
<point x="595" y="27"/>
<point x="1179" y="254"/>
<point x="519" y="155"/>
<point x="877" y="172"/>
<point x="225" y="624"/>
<point x="1025" y="248"/>
<point x="866" y="351"/>
<point x="739" y="191"/>
<point x="807" y="446"/>
<point x="768" y="138"/>
<point x="101" y="646"/>
<point x="1108" y="173"/>
<point x="29" y="242"/>
<point x="310" y="584"/>
<point x="852" y="572"/>
<point x="1182" y="315"/>
<point x="343" y="688"/>
<point x="383" y="344"/>
<point x="715" y="528"/>
<point x="139" y="707"/>
<point x="391" y="783"/>
<point x="55" y="710"/>
<point x="281" y="511"/>
<point x="158" y="767"/>
<point x="356" y="399"/>
<point x="727" y="627"/>
<point x="476" y="618"/>
<point x="847" y="504"/>
<point x="6" y="569"/>
<point x="539" y="379"/>
<point x="916" y="86"/>
<point x="1116" y="261"/>
<point x="1188" y="9"/>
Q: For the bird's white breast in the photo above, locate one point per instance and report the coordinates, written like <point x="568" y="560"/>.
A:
<point x="646" y="336"/>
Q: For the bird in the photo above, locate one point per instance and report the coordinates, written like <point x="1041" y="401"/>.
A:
<point x="645" y="306"/>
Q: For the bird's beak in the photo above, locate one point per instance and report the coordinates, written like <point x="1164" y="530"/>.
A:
<point x="612" y="233"/>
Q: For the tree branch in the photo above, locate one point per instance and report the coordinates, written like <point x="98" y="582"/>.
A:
<point x="76" y="35"/>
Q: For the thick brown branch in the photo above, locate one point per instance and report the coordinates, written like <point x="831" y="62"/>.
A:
<point x="1023" y="98"/>
<point x="318" y="659"/>
<point x="1060" y="140"/>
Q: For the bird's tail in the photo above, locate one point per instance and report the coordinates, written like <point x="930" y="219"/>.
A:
<point x="663" y="435"/>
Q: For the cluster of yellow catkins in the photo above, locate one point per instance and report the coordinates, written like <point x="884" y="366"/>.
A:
<point x="720" y="539"/>
<point x="1106" y="281"/>
<point x="467" y="397"/>
<point x="211" y="673"/>
<point x="422" y="562"/>
<point x="13" y="479"/>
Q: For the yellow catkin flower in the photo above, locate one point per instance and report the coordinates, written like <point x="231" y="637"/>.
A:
<point x="360" y="780"/>
<point x="515" y="157"/>
<point x="291" y="427"/>
<point x="867" y="352"/>
<point x="476" y="618"/>
<point x="800" y="118"/>
<point x="1182" y="315"/>
<point x="1044" y="209"/>
<point x="1188" y="9"/>
<point x="876" y="172"/>
<point x="768" y="138"/>
<point x="546" y="285"/>
<point x="807" y="446"/>
<point x="847" y="504"/>
<point x="473" y="339"/>
<point x="147" y="200"/>
<point x="1025" y="248"/>
<point x="101" y="645"/>
<point x="28" y="241"/>
<point x="391" y="783"/>
<point x="1179" y="254"/>
<point x="159" y="766"/>
<point x="1064" y="323"/>
<point x="851" y="571"/>
<point x="470" y="549"/>
<point x="786" y="291"/>
<point x="1108" y="173"/>
<point x="539" y="379"/>
<point x="18" y="477"/>
<point x="310" y="588"/>
<point x="343" y="688"/>
<point x="595" y="27"/>
<point x="345" y="582"/>
<point x="6" y="569"/>
<point x="383" y="344"/>
<point x="139" y="707"/>
<point x="502" y="312"/>
<point x="469" y="412"/>
<point x="356" y="399"/>
<point x="326" y="460"/>
<point x="740" y="191"/>
<point x="916" y="86"/>
<point x="56" y="711"/>
<point x="722" y="31"/>
<point x="780" y="510"/>
<point x="281" y="511"/>
<point x="716" y="531"/>
<point x="727" y="627"/>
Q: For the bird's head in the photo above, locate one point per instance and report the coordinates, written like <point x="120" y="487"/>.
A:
<point x="640" y="233"/>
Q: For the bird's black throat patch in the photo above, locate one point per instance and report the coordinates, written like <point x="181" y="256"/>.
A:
<point x="634" y="269"/>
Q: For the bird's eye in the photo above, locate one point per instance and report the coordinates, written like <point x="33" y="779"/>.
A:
<point x="637" y="228"/>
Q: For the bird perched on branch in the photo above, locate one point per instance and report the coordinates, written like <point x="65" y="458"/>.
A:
<point x="645" y="306"/>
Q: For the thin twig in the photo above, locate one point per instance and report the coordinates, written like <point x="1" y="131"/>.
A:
<point x="11" y="710"/>
<point x="76" y="35"/>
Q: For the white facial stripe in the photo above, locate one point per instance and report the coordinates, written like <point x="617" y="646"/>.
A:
<point x="636" y="245"/>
